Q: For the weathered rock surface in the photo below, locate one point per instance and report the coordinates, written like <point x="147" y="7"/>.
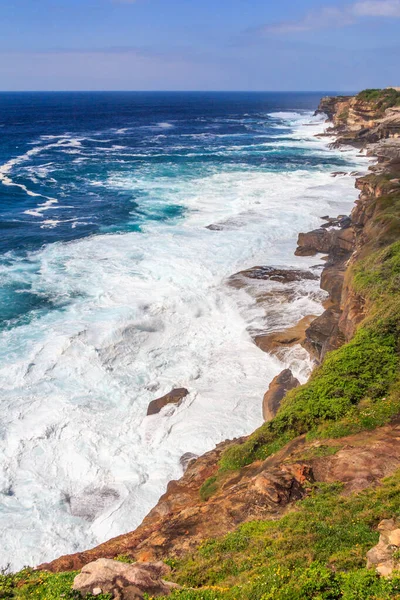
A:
<point x="174" y="397"/>
<point x="262" y="490"/>
<point x="384" y="556"/>
<point x="123" y="581"/>
<point x="276" y="341"/>
<point x="326" y="241"/>
<point x="271" y="273"/>
<point x="278" y="389"/>
<point x="318" y="240"/>
<point x="323" y="334"/>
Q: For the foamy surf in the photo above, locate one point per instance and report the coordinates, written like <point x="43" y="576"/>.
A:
<point x="133" y="315"/>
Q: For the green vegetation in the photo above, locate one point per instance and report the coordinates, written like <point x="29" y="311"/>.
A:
<point x="319" y="452"/>
<point x="208" y="488"/>
<point x="124" y="558"/>
<point x="317" y="551"/>
<point x="28" y="584"/>
<point x="383" y="99"/>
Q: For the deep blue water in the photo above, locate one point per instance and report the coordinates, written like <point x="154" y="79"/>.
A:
<point x="69" y="147"/>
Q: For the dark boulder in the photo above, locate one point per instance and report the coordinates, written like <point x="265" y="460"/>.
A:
<point x="174" y="397"/>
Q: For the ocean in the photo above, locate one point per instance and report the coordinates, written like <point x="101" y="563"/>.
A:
<point x="114" y="291"/>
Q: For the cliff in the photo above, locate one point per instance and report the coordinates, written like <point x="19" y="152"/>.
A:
<point x="290" y="511"/>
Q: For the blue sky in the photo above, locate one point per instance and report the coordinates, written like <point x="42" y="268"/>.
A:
<point x="199" y="45"/>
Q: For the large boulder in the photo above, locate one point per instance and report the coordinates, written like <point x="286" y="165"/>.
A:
<point x="323" y="334"/>
<point x="123" y="581"/>
<point x="384" y="557"/>
<point x="173" y="397"/>
<point x="278" y="388"/>
<point x="335" y="241"/>
<point x="318" y="240"/>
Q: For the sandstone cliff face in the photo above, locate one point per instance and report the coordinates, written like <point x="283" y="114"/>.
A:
<point x="368" y="124"/>
<point x="366" y="118"/>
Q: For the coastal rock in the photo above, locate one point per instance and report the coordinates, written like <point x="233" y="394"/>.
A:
<point x="326" y="240"/>
<point x="323" y="334"/>
<point x="173" y="397"/>
<point x="384" y="556"/>
<point x="318" y="240"/>
<point x="262" y="490"/>
<point x="273" y="274"/>
<point x="332" y="278"/>
<point x="278" y="388"/>
<point x="277" y="341"/>
<point x="186" y="459"/>
<point x="123" y="581"/>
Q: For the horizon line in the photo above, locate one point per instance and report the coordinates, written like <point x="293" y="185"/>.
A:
<point x="189" y="91"/>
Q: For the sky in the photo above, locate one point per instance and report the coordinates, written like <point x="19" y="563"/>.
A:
<point x="261" y="45"/>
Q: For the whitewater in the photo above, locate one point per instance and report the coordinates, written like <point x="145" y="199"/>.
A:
<point x="137" y="311"/>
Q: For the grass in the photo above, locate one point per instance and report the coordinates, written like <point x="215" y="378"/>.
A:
<point x="29" y="584"/>
<point x="383" y="99"/>
<point x="317" y="551"/>
<point x="208" y="488"/>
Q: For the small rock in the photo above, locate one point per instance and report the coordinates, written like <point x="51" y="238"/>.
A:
<point x="174" y="397"/>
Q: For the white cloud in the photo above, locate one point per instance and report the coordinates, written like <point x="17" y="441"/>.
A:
<point x="327" y="17"/>
<point x="377" y="8"/>
<point x="331" y="17"/>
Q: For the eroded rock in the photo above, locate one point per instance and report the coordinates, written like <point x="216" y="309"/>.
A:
<point x="384" y="556"/>
<point x="278" y="388"/>
<point x="123" y="581"/>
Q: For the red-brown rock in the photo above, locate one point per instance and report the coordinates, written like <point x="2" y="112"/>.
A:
<point x="278" y="388"/>
<point x="174" y="397"/>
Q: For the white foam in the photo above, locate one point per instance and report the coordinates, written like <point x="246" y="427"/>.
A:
<point x="6" y="169"/>
<point x="139" y="314"/>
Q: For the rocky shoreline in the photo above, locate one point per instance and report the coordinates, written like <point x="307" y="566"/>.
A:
<point x="311" y="437"/>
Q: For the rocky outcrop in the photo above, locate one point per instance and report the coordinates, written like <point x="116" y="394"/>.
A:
<point x="323" y="335"/>
<point x="366" y="118"/>
<point x="123" y="581"/>
<point x="337" y="239"/>
<point x="385" y="556"/>
<point x="174" y="397"/>
<point x="271" y="273"/>
<point x="325" y="240"/>
<point x="262" y="490"/>
<point x="329" y="105"/>
<point x="276" y="341"/>
<point x="278" y="388"/>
